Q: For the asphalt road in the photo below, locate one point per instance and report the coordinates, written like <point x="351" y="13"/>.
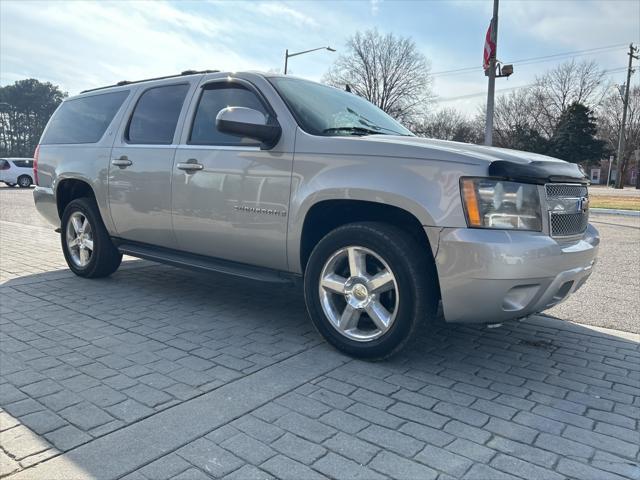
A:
<point x="610" y="299"/>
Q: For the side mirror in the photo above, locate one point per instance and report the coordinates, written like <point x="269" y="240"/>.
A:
<point x="247" y="122"/>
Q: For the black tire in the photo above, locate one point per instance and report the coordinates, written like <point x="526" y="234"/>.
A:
<point x="24" y="181"/>
<point x="105" y="257"/>
<point x="414" y="270"/>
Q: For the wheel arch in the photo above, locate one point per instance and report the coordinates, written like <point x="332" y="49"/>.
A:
<point x="326" y="215"/>
<point x="69" y="189"/>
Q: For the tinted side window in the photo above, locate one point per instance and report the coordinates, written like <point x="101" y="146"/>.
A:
<point x="4" y="165"/>
<point x="214" y="98"/>
<point x="84" y="120"/>
<point x="156" y="115"/>
<point x="24" y="163"/>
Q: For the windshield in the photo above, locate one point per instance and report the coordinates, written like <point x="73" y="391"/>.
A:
<point x="323" y="110"/>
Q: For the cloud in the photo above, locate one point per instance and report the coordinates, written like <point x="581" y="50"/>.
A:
<point x="375" y="6"/>
<point x="576" y="24"/>
<point x="84" y="44"/>
<point x="276" y="9"/>
<point x="88" y="44"/>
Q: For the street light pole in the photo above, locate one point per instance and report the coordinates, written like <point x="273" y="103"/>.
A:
<point x="488" y="129"/>
<point x="288" y="55"/>
<point x="286" y="60"/>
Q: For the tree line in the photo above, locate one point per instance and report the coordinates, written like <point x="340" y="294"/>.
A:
<point x="25" y="108"/>
<point x="570" y="112"/>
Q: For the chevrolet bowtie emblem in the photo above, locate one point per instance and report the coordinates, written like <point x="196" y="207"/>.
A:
<point x="583" y="205"/>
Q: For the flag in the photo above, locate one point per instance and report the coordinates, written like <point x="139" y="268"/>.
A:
<point x="489" y="47"/>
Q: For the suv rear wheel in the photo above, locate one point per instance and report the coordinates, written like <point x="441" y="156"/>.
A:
<point x="24" y="181"/>
<point x="86" y="245"/>
<point x="368" y="286"/>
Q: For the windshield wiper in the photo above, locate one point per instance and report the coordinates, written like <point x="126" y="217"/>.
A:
<point x="368" y="123"/>
<point x="354" y="131"/>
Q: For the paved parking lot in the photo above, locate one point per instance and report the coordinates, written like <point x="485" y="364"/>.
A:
<point x="162" y="373"/>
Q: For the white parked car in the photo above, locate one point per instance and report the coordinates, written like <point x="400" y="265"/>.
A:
<point x="16" y="171"/>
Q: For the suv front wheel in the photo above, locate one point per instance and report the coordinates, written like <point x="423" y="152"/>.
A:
<point x="86" y="245"/>
<point x="368" y="286"/>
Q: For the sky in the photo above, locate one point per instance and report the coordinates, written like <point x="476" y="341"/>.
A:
<point x="84" y="44"/>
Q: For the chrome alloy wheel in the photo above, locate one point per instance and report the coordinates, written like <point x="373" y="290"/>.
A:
<point x="359" y="293"/>
<point x="79" y="238"/>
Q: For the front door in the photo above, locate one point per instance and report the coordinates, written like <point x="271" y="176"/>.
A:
<point x="230" y="198"/>
<point x="141" y="166"/>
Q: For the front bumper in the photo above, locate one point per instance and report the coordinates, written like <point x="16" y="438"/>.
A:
<point x="489" y="276"/>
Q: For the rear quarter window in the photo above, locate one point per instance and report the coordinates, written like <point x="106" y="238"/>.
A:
<point x="85" y="119"/>
<point x="23" y="163"/>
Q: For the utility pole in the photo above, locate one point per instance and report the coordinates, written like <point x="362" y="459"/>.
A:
<point x="488" y="129"/>
<point x="609" y="176"/>
<point x="621" y="136"/>
<point x="638" y="169"/>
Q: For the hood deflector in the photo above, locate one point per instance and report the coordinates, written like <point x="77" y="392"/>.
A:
<point x="538" y="172"/>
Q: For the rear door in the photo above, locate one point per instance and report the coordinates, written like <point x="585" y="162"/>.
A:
<point x="234" y="206"/>
<point x="141" y="164"/>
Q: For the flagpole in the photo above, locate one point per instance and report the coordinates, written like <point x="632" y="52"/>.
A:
<point x="488" y="129"/>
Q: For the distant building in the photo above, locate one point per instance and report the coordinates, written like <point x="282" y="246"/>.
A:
<point x="598" y="173"/>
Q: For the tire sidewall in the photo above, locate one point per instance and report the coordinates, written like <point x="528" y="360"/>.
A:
<point x="409" y="306"/>
<point x="24" y="186"/>
<point x="80" y="206"/>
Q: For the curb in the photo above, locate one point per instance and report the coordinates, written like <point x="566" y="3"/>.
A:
<point x="612" y="211"/>
<point x="560" y="324"/>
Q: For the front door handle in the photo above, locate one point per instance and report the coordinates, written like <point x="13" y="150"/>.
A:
<point x="122" y="162"/>
<point x="190" y="165"/>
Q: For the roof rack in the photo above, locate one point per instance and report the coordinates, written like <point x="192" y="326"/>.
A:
<point x="127" y="82"/>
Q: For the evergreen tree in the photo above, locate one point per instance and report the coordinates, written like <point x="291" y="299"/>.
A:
<point x="574" y="138"/>
<point x="25" y="108"/>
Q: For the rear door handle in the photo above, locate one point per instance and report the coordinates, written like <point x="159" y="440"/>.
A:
<point x="190" y="165"/>
<point x="121" y="162"/>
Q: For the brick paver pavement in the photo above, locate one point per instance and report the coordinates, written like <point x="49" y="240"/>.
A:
<point x="162" y="373"/>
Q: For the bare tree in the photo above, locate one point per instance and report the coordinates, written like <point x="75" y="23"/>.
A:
<point x="515" y="110"/>
<point x="571" y="82"/>
<point x="387" y="70"/>
<point x="610" y="121"/>
<point x="448" y="124"/>
<point x="528" y="117"/>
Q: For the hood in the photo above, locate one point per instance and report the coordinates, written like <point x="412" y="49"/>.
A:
<point x="501" y="162"/>
<point x="429" y="148"/>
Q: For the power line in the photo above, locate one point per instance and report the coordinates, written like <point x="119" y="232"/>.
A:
<point x="540" y="59"/>
<point x="471" y="95"/>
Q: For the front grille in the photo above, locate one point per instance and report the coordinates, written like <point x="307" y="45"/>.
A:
<point x="566" y="224"/>
<point x="560" y="190"/>
<point x="568" y="209"/>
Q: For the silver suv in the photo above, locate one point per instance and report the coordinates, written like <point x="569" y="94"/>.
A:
<point x="281" y="179"/>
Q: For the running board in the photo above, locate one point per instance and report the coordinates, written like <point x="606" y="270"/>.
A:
<point x="202" y="263"/>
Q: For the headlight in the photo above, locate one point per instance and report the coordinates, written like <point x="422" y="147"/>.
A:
<point x="492" y="203"/>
